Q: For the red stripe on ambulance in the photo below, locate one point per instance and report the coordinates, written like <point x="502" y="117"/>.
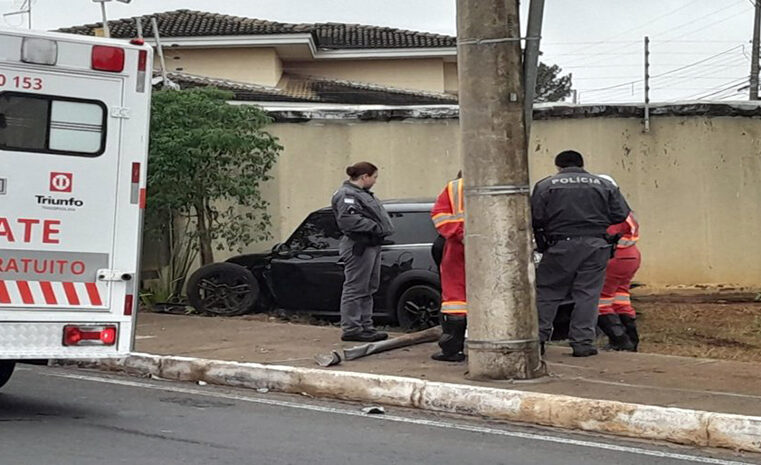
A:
<point x="92" y="291"/>
<point x="71" y="293"/>
<point x="47" y="293"/>
<point x="5" y="298"/>
<point x="25" y="291"/>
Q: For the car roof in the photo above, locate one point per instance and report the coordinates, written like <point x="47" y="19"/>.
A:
<point x="402" y="205"/>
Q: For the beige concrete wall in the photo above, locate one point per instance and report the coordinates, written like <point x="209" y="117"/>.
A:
<point x="254" y="65"/>
<point x="418" y="74"/>
<point x="694" y="182"/>
<point x="450" y="78"/>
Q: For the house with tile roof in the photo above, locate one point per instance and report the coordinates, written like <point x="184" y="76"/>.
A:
<point x="328" y="62"/>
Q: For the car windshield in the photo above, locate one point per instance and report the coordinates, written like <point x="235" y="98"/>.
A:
<point x="318" y="232"/>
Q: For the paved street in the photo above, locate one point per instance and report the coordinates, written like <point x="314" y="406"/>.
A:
<point x="58" y="416"/>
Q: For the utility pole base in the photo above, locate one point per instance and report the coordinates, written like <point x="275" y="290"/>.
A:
<point x="505" y="363"/>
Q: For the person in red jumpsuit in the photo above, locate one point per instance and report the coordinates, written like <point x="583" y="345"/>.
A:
<point x="617" y="318"/>
<point x="448" y="215"/>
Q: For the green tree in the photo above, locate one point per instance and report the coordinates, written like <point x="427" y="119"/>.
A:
<point x="207" y="161"/>
<point x="550" y="85"/>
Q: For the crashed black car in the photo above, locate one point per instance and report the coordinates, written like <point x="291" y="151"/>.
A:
<point x="305" y="273"/>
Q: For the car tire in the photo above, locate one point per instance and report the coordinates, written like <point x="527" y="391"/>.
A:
<point x="6" y="370"/>
<point x="418" y="307"/>
<point x="223" y="289"/>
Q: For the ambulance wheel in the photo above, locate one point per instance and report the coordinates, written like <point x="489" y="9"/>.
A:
<point x="223" y="289"/>
<point x="418" y="307"/>
<point x="6" y="370"/>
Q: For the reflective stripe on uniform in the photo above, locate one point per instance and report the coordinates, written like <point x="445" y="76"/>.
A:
<point x="605" y="302"/>
<point x="629" y="239"/>
<point x="622" y="299"/>
<point x="454" y="189"/>
<point x="444" y="218"/>
<point x="454" y="307"/>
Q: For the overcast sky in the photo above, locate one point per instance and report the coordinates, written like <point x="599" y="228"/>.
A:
<point x="699" y="48"/>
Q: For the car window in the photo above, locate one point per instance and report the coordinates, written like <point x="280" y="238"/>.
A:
<point x="412" y="228"/>
<point x="318" y="232"/>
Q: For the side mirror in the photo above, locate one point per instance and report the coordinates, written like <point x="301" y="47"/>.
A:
<point x="281" y="249"/>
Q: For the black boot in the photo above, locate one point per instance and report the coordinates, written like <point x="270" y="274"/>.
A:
<point x="630" y="323"/>
<point x="452" y="340"/>
<point x="616" y="332"/>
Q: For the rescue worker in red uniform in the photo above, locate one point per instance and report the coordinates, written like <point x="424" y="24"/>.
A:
<point x="617" y="318"/>
<point x="448" y="215"/>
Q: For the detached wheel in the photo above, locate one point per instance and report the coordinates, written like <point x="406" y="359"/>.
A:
<point x="6" y="370"/>
<point x="418" y="307"/>
<point x="223" y="289"/>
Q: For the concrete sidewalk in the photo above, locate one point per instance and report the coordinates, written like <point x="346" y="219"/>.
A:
<point x="648" y="379"/>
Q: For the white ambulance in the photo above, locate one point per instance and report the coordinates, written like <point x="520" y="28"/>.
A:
<point x="74" y="115"/>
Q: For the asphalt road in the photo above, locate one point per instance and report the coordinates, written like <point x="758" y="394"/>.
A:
<point x="52" y="416"/>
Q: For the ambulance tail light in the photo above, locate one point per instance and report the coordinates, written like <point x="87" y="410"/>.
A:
<point x="106" y="58"/>
<point x="39" y="51"/>
<point x="142" y="59"/>
<point x="98" y="335"/>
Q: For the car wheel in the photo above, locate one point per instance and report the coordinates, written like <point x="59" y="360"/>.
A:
<point x="6" y="370"/>
<point x="223" y="289"/>
<point x="418" y="307"/>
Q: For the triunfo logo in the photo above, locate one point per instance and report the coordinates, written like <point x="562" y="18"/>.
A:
<point x="48" y="201"/>
<point x="61" y="182"/>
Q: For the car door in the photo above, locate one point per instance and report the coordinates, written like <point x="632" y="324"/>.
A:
<point x="306" y="273"/>
<point x="409" y="249"/>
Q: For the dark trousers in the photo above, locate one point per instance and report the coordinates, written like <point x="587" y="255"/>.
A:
<point x="572" y="268"/>
<point x="361" y="281"/>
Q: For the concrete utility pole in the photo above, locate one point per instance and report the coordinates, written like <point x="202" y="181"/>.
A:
<point x="754" y="52"/>
<point x="502" y="319"/>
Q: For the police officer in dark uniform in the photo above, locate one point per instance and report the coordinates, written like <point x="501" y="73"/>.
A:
<point x="571" y="212"/>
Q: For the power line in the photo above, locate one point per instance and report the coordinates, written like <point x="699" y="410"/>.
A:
<point x="731" y="86"/>
<point x="640" y="25"/>
<point x="712" y="13"/>
<point x="675" y="70"/>
<point x="709" y="25"/>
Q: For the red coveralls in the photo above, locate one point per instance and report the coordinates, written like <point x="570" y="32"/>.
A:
<point x="615" y="297"/>
<point x="448" y="216"/>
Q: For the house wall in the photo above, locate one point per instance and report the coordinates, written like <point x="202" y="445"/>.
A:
<point x="418" y="74"/>
<point x="693" y="181"/>
<point x="253" y="65"/>
<point x="451" y="81"/>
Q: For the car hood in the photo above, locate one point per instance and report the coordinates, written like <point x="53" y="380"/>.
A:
<point x="251" y="261"/>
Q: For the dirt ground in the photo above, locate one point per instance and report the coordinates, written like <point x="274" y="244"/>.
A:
<point x="708" y="325"/>
<point x="699" y="323"/>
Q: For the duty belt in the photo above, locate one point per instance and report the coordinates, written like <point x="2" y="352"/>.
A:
<point x="574" y="237"/>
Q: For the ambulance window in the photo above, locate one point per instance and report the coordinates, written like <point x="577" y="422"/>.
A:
<point x="76" y="127"/>
<point x="49" y="124"/>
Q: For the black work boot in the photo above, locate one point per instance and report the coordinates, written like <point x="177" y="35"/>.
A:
<point x="630" y="323"/>
<point x="365" y="336"/>
<point x="616" y="332"/>
<point x="452" y="340"/>
<point x="583" y="351"/>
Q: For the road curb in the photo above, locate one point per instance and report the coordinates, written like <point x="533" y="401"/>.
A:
<point x="681" y="426"/>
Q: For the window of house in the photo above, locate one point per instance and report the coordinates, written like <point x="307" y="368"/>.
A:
<point x="49" y="124"/>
